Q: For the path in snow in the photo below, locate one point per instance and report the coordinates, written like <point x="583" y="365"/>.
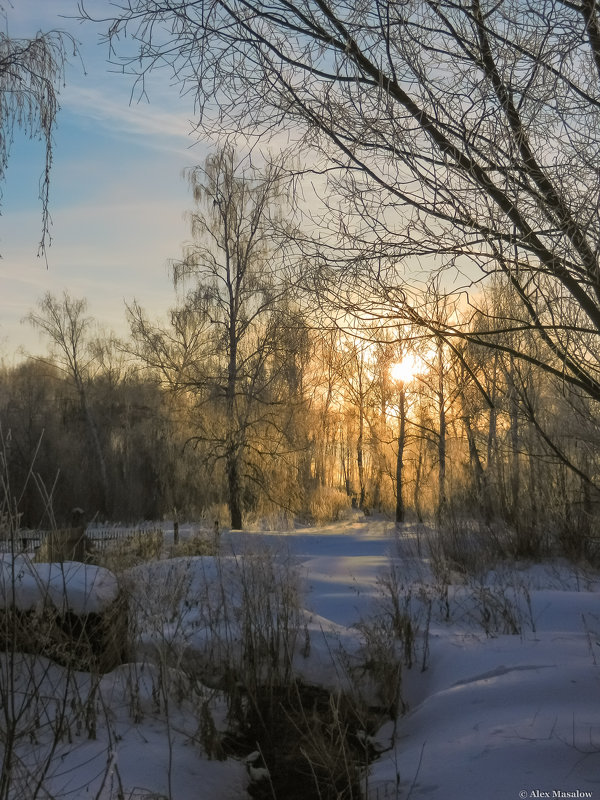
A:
<point x="341" y="562"/>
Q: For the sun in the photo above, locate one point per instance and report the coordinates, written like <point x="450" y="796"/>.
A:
<point x="405" y="370"/>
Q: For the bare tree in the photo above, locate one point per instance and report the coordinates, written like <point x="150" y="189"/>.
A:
<point x="358" y="382"/>
<point x="235" y="260"/>
<point x="67" y="329"/>
<point x="31" y="71"/>
<point x="222" y="345"/>
<point x="401" y="443"/>
<point x="465" y="132"/>
<point x="177" y="353"/>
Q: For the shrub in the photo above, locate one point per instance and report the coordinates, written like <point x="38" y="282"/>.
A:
<point x="327" y="504"/>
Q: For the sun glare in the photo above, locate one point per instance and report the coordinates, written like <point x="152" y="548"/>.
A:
<point x="405" y="370"/>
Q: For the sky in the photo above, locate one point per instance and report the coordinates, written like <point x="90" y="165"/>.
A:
<point x="118" y="198"/>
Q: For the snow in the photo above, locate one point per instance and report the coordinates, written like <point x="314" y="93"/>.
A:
<point x="494" y="714"/>
<point x="501" y="716"/>
<point x="70" y="586"/>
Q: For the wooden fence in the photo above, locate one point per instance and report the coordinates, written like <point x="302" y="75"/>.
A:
<point x="72" y="544"/>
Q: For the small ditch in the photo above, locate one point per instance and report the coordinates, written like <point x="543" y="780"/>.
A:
<point x="307" y="743"/>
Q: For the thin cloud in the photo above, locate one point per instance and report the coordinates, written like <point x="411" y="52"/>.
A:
<point x="120" y="117"/>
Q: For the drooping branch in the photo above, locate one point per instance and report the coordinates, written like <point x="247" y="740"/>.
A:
<point x="31" y="71"/>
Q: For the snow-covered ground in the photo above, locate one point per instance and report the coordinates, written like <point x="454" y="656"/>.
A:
<point x="507" y="716"/>
<point x="495" y="714"/>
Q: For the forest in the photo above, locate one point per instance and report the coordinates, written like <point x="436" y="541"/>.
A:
<point x="389" y="298"/>
<point x="250" y="404"/>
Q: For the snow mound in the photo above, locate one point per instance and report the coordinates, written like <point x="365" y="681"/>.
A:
<point x="69" y="586"/>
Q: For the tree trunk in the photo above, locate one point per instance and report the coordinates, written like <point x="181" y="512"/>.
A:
<point x="400" y="456"/>
<point x="360" y="456"/>
<point x="232" y="448"/>
<point x="418" y="479"/>
<point x="492" y="455"/>
<point x="515" y="476"/>
<point x="482" y="489"/>
<point x="234" y="486"/>
<point x="442" y="434"/>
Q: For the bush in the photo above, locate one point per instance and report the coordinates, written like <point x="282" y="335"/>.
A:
<point x="327" y="504"/>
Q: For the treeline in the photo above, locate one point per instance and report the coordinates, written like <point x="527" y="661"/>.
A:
<point x="320" y="417"/>
<point x="274" y="390"/>
<point x="407" y="226"/>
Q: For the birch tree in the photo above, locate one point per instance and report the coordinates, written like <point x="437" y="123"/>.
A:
<point x="232" y="273"/>
<point x="31" y="71"/>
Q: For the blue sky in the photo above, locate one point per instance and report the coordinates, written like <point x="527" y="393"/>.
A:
<point x="118" y="199"/>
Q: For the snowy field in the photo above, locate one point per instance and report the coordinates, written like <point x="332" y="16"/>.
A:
<point x="495" y="715"/>
<point x="502" y="699"/>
